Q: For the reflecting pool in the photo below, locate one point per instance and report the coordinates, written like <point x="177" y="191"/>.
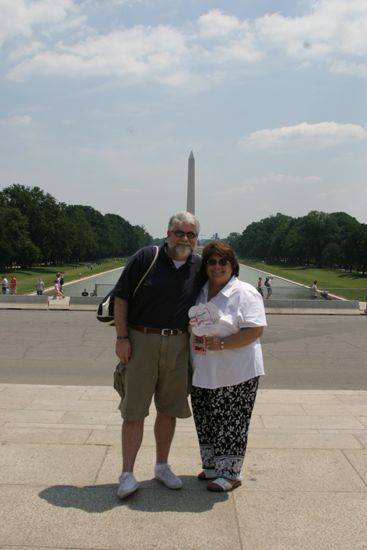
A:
<point x="103" y="283"/>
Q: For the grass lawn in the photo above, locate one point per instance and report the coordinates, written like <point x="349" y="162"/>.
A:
<point x="349" y="285"/>
<point x="27" y="278"/>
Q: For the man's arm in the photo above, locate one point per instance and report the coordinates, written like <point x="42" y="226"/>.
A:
<point x="123" y="346"/>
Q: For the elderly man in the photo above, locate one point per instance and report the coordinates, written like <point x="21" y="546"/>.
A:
<point x="152" y="344"/>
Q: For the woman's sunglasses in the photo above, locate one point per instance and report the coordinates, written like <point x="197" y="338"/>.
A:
<point x="222" y="262"/>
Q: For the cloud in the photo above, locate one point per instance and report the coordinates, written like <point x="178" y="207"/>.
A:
<point x="139" y="52"/>
<point x="322" y="134"/>
<point x="15" y="121"/>
<point x="332" y="26"/>
<point x="350" y="68"/>
<point x="215" y="23"/>
<point x="200" y="53"/>
<point x="21" y="17"/>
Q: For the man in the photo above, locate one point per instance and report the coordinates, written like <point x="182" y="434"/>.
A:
<point x="4" y="285"/>
<point x="60" y="279"/>
<point x="269" y="290"/>
<point x="152" y="344"/>
<point x="40" y="287"/>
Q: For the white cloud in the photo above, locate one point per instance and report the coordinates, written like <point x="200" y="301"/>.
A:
<point x="322" y="134"/>
<point x="15" y="121"/>
<point x="214" y="46"/>
<point x="19" y="17"/>
<point x="215" y="23"/>
<point x="350" y="68"/>
<point x="137" y="52"/>
<point x="333" y="26"/>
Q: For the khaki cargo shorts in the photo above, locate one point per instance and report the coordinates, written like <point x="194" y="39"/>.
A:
<point x="159" y="367"/>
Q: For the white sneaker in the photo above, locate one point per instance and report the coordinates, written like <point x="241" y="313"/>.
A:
<point x="127" y="485"/>
<point x="164" y="474"/>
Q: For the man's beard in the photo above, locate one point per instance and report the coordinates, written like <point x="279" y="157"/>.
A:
<point x="180" y="251"/>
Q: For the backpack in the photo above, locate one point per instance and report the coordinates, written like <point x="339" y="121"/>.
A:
<point x="106" y="307"/>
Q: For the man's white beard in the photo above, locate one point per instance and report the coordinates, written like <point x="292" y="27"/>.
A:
<point x="180" y="251"/>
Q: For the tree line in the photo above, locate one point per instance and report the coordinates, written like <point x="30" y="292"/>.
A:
<point x="319" y="239"/>
<point x="36" y="228"/>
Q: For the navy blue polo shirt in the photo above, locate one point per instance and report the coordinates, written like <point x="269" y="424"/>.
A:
<point x="166" y="294"/>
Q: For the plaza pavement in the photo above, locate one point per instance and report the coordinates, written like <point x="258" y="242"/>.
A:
<point x="305" y="476"/>
<point x="304" y="479"/>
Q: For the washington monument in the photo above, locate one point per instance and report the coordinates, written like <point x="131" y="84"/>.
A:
<point x="191" y="185"/>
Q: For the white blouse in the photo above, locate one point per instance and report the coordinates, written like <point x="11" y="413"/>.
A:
<point x="238" y="305"/>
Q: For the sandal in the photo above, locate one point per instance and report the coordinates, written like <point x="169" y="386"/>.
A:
<point x="207" y="473"/>
<point x="222" y="485"/>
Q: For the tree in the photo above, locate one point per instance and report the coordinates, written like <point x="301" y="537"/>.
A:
<point x="16" y="247"/>
<point x="42" y="212"/>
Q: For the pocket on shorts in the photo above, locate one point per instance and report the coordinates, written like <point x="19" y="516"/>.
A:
<point x="119" y="379"/>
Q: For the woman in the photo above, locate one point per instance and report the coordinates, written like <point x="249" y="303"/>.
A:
<point x="226" y="322"/>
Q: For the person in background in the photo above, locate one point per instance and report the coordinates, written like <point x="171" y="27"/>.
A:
<point x="260" y="286"/>
<point x="227" y="323"/>
<point x="13" y="284"/>
<point x="61" y="281"/>
<point x="40" y="287"/>
<point x="57" y="292"/>
<point x="313" y="290"/>
<point x="4" y="285"/>
<point x="267" y="284"/>
<point x="152" y="344"/>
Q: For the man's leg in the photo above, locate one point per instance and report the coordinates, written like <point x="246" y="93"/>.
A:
<point x="164" y="429"/>
<point x="132" y="436"/>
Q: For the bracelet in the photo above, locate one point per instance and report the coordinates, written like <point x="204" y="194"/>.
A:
<point x="122" y="337"/>
<point x="222" y="345"/>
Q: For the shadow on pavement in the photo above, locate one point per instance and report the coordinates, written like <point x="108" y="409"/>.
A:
<point x="101" y="498"/>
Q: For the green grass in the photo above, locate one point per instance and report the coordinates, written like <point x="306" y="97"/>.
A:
<point x="352" y="286"/>
<point x="27" y="278"/>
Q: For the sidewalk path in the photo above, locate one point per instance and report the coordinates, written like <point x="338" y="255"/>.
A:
<point x="305" y="476"/>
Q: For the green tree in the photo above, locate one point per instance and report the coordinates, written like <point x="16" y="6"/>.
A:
<point x="42" y="212"/>
<point x="16" y="247"/>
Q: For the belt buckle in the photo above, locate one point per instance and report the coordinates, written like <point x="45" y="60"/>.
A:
<point x="166" y="332"/>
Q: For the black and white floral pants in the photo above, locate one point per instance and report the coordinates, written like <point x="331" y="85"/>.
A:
<point x="222" y="418"/>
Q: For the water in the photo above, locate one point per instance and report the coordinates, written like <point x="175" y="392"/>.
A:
<point x="282" y="289"/>
<point x="103" y="283"/>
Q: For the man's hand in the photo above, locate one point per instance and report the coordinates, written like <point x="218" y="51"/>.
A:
<point x="123" y="350"/>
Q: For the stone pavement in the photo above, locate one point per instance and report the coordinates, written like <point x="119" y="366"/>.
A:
<point x="305" y="476"/>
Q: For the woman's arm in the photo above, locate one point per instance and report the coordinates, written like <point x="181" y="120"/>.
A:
<point x="239" y="340"/>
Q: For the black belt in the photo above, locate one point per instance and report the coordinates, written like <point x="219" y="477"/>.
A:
<point x="161" y="331"/>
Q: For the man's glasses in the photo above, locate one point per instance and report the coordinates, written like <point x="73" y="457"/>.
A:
<point x="189" y="234"/>
<point x="222" y="262"/>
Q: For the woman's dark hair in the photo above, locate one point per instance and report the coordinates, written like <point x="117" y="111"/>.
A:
<point x="221" y="249"/>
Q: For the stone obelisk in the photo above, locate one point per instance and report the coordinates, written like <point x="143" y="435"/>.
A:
<point x="191" y="185"/>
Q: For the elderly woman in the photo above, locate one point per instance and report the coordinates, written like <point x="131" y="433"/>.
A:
<point x="226" y="322"/>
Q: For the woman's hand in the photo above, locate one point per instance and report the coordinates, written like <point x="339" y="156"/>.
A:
<point x="214" y="343"/>
<point x="242" y="338"/>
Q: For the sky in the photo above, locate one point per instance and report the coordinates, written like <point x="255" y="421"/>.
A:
<point x="101" y="102"/>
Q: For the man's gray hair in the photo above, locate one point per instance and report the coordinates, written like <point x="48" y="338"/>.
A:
<point x="183" y="217"/>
